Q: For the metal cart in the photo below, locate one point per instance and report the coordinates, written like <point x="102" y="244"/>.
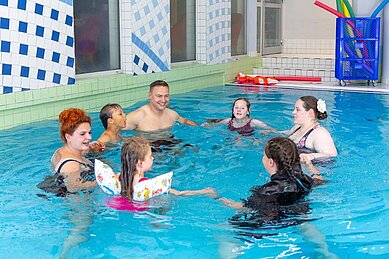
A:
<point x="357" y="49"/>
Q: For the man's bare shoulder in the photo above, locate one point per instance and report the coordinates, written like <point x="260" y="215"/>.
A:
<point x="171" y="113"/>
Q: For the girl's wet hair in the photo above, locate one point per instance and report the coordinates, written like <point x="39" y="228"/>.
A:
<point x="107" y="111"/>
<point x="133" y="150"/>
<point x="247" y="103"/>
<point x="285" y="154"/>
<point x="310" y="102"/>
<point x="70" y="119"/>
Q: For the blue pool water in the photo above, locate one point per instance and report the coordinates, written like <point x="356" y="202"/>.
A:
<point x="350" y="212"/>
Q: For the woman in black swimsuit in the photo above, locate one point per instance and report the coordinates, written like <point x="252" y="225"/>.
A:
<point x="73" y="171"/>
<point x="288" y="183"/>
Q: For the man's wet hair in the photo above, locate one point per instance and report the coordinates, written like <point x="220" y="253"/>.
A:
<point x="158" y="83"/>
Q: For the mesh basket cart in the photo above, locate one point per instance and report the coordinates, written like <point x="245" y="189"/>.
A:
<point x="357" y="49"/>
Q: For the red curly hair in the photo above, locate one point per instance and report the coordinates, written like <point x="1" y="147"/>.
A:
<point x="70" y="119"/>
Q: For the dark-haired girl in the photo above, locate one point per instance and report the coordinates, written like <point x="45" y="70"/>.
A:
<point x="240" y="120"/>
<point x="288" y="183"/>
<point x="312" y="139"/>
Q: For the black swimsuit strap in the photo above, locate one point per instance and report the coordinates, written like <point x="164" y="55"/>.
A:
<point x="64" y="162"/>
<point x="295" y="131"/>
<point x="308" y="132"/>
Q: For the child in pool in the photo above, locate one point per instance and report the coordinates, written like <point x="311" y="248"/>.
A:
<point x="288" y="183"/>
<point x="136" y="159"/>
<point x="113" y="119"/>
<point x="240" y="120"/>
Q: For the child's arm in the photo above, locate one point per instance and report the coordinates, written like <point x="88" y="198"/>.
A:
<point x="211" y="122"/>
<point x="262" y="125"/>
<point x="96" y="146"/>
<point x="231" y="203"/>
<point x="206" y="191"/>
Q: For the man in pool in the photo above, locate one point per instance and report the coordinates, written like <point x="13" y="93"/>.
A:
<point x="155" y="115"/>
<point x="154" y="120"/>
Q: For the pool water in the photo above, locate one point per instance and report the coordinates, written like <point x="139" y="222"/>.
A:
<point x="349" y="214"/>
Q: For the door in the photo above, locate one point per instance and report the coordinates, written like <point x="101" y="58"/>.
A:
<point x="269" y="22"/>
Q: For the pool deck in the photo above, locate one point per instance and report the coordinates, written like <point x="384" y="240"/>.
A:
<point x="332" y="86"/>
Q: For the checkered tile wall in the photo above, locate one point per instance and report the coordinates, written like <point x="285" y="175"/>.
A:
<point x="36" y="44"/>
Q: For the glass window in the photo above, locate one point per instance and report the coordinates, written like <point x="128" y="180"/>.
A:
<point x="183" y="30"/>
<point x="96" y="33"/>
<point x="238" y="27"/>
<point x="259" y="28"/>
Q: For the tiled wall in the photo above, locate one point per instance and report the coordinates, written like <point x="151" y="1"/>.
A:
<point x="218" y="17"/>
<point x="309" y="46"/>
<point x="150" y="36"/>
<point x="91" y="94"/>
<point x="36" y="44"/>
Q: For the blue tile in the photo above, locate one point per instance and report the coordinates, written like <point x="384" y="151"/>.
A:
<point x="145" y="67"/>
<point x="22" y="4"/>
<point x="4" y="23"/>
<point x="217" y="26"/>
<point x="159" y="16"/>
<point x="210" y="15"/>
<point x="164" y="30"/>
<point x="39" y="9"/>
<point x="156" y="38"/>
<point x="136" y="59"/>
<point x="4" y="2"/>
<point x="142" y="30"/>
<point x="22" y="26"/>
<point x="70" y="62"/>
<point x="40" y="53"/>
<point x="155" y="3"/>
<point x="68" y="2"/>
<point x="137" y="16"/>
<point x="39" y="31"/>
<point x="151" y="24"/>
<point x="23" y="49"/>
<point x="146" y="9"/>
<point x="55" y="57"/>
<point x="69" y="20"/>
<point x="69" y="41"/>
<point x="71" y="81"/>
<point x="5" y="46"/>
<point x="6" y="69"/>
<point x="55" y="36"/>
<point x="54" y="14"/>
<point x="161" y="51"/>
<point x="56" y="78"/>
<point x="24" y="71"/>
<point x="41" y="74"/>
<point x="7" y="90"/>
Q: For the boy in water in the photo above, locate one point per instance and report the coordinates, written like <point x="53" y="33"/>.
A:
<point x="114" y="120"/>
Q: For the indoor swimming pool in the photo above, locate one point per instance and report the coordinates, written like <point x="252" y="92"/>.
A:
<point x="345" y="217"/>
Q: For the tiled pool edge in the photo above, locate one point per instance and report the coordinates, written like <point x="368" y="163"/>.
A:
<point x="93" y="93"/>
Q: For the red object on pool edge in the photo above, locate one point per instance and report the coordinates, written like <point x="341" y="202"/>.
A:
<point x="298" y="78"/>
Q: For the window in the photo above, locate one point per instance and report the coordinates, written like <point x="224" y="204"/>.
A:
<point x="183" y="30"/>
<point x="238" y="27"/>
<point x="96" y="33"/>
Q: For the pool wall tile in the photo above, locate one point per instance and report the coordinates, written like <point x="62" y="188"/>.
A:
<point x="93" y="93"/>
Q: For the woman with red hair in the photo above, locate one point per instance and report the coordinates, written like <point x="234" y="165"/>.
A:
<point x="72" y="170"/>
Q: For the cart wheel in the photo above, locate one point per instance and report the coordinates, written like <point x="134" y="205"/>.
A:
<point x="342" y="82"/>
<point x="373" y="82"/>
